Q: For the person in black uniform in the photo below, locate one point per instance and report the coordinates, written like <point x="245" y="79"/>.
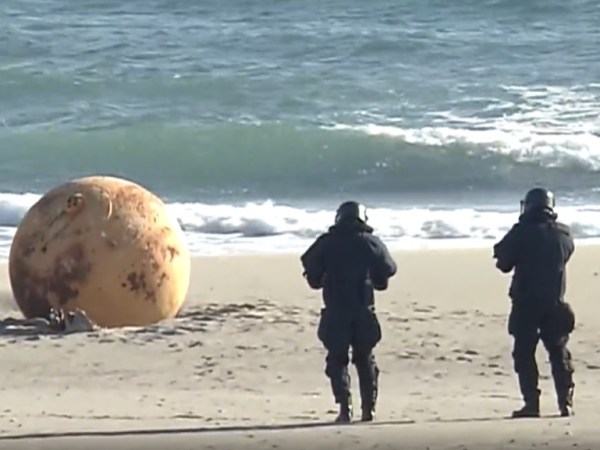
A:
<point x="538" y="248"/>
<point x="348" y="263"/>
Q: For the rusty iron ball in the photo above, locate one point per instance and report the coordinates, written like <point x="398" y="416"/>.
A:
<point x="104" y="245"/>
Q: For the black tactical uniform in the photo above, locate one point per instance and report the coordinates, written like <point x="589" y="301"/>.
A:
<point x="348" y="263"/>
<point x="538" y="249"/>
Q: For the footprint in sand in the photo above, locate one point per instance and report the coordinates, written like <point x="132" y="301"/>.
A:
<point x="307" y="416"/>
<point x="311" y="394"/>
<point x="172" y="332"/>
<point x="283" y="320"/>
<point x="495" y="396"/>
<point x="397" y="319"/>
<point x="424" y="309"/>
<point x="421" y="319"/>
<point x="245" y="347"/>
<point x="408" y="355"/>
<point x="465" y="352"/>
<point x="250" y="316"/>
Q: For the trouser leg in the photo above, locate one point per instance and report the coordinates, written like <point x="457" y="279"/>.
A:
<point x="366" y="335"/>
<point x="562" y="368"/>
<point x="336" y="369"/>
<point x="525" y="365"/>
<point x="368" y="378"/>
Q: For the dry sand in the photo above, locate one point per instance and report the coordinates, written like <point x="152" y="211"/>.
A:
<point x="244" y="359"/>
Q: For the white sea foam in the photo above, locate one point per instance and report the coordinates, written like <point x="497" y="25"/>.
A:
<point x="270" y="227"/>
<point x="555" y="126"/>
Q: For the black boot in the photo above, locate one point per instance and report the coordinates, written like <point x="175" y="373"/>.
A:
<point x="368" y="402"/>
<point x="530" y="409"/>
<point x="368" y="374"/>
<point x="368" y="414"/>
<point x="345" y="414"/>
<point x="565" y="403"/>
<point x="566" y="410"/>
<point x="337" y="371"/>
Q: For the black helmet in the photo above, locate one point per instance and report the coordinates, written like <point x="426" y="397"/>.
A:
<point x="538" y="199"/>
<point x="351" y="211"/>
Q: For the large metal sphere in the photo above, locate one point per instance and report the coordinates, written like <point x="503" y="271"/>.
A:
<point x="104" y="245"/>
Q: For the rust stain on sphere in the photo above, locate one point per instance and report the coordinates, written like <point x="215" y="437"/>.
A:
<point x="104" y="245"/>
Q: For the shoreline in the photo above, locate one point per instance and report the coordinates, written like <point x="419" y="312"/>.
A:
<point x="441" y="245"/>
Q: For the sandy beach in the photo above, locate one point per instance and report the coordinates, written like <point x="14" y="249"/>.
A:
<point x="242" y="366"/>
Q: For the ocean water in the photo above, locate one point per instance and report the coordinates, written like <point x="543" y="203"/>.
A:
<point x="253" y="120"/>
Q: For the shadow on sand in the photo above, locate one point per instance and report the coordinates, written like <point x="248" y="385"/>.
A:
<point x="11" y="327"/>
<point x="242" y="428"/>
